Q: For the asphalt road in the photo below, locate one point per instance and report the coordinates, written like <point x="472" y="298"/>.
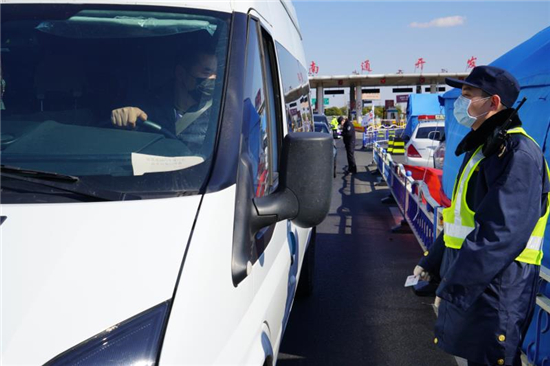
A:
<point x="360" y="313"/>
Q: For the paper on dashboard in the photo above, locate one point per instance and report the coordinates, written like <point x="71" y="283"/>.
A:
<point x="143" y="163"/>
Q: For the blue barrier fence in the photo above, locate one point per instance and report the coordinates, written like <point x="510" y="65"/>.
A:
<point x="370" y="137"/>
<point x="400" y="193"/>
<point x="422" y="223"/>
<point x="423" y="214"/>
<point x="536" y="346"/>
<point x="418" y="208"/>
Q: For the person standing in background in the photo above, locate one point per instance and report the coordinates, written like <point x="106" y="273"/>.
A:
<point x="348" y="132"/>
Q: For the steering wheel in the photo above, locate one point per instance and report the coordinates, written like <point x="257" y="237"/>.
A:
<point x="156" y="127"/>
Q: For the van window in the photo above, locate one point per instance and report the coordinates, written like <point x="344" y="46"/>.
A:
<point x="320" y="119"/>
<point x="256" y="119"/>
<point x="296" y="92"/>
<point x="321" y="127"/>
<point x="274" y="105"/>
<point x="77" y="76"/>
<point x="262" y="120"/>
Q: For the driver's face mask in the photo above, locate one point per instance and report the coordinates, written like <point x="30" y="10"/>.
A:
<point x="204" y="88"/>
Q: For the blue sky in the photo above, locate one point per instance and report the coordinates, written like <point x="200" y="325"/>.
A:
<point x="338" y="35"/>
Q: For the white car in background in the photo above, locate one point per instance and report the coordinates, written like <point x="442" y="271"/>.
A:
<point x="425" y="139"/>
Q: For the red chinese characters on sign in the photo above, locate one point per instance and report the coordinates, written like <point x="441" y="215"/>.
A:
<point x="419" y="64"/>
<point x="471" y="63"/>
<point x="313" y="68"/>
<point x="365" y="66"/>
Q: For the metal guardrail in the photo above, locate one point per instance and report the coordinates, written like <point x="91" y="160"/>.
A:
<point x="424" y="216"/>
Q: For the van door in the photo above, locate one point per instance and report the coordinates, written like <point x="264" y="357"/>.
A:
<point x="274" y="263"/>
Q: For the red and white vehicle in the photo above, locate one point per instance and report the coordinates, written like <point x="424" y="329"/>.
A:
<point x="424" y="140"/>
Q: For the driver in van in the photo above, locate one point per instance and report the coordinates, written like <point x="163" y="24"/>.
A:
<point x="176" y="107"/>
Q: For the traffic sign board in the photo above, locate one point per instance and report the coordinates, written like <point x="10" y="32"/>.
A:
<point x="314" y="101"/>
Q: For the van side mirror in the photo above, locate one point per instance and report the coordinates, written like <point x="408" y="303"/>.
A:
<point x="305" y="183"/>
<point x="303" y="194"/>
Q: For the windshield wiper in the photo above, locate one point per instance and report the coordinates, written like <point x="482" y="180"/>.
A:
<point x="67" y="183"/>
<point x="39" y="174"/>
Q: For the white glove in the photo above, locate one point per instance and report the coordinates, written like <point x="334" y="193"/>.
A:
<point x="421" y="273"/>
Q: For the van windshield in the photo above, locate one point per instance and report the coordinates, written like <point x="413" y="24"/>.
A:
<point x="120" y="98"/>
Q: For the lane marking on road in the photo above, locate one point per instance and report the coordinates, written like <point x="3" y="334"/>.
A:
<point x="348" y="224"/>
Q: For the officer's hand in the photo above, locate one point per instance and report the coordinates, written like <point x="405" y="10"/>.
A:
<point x="436" y="304"/>
<point x="420" y="272"/>
<point x="123" y="117"/>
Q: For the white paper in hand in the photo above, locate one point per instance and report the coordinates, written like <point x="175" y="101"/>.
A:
<point x="411" y="281"/>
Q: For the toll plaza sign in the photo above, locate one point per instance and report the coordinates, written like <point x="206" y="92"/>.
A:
<point x="402" y="98"/>
<point x="370" y="96"/>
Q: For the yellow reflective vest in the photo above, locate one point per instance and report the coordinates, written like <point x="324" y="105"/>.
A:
<point x="334" y="123"/>
<point x="459" y="220"/>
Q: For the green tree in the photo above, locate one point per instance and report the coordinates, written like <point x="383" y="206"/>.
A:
<point x="366" y="110"/>
<point x="333" y="111"/>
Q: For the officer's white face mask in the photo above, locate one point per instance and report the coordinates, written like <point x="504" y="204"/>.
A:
<point x="461" y="111"/>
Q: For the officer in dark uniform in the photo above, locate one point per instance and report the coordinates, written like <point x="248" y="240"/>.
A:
<point x="348" y="133"/>
<point x="489" y="255"/>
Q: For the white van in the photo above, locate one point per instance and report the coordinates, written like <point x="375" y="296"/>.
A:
<point x="159" y="188"/>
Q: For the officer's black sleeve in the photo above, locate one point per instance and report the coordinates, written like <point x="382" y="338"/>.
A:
<point x="431" y="262"/>
<point x="504" y="219"/>
<point x="347" y="130"/>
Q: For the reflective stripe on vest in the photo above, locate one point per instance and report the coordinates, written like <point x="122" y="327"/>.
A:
<point x="459" y="218"/>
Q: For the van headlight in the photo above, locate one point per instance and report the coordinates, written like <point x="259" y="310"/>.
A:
<point x="135" y="341"/>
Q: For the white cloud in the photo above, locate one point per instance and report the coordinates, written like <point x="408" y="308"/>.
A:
<point x="441" y="22"/>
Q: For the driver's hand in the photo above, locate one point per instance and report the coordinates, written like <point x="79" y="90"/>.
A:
<point x="123" y="117"/>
